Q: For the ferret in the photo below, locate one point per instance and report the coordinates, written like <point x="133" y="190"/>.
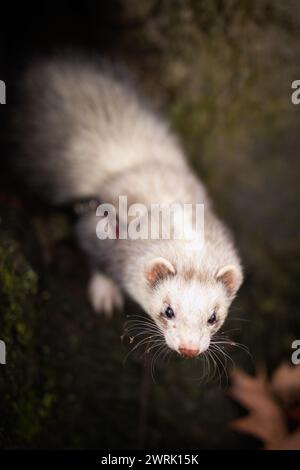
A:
<point x="84" y="130"/>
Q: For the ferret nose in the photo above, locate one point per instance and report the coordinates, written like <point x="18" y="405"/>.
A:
<point x="188" y="352"/>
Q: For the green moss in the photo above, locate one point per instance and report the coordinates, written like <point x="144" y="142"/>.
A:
<point x="18" y="285"/>
<point x="24" y="402"/>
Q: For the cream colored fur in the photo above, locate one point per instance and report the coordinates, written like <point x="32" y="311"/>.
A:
<point x="84" y="130"/>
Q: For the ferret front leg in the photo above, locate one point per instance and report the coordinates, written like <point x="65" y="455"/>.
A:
<point x="104" y="295"/>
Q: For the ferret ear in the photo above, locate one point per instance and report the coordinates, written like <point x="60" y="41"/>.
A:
<point x="158" y="269"/>
<point x="231" y="277"/>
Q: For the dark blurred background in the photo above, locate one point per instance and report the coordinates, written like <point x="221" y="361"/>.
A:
<point x="222" y="71"/>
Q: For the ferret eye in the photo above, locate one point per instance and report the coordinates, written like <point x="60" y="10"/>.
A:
<point x="169" y="312"/>
<point x="212" y="319"/>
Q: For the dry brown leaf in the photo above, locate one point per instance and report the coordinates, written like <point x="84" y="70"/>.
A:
<point x="291" y="442"/>
<point x="266" y="420"/>
<point x="285" y="383"/>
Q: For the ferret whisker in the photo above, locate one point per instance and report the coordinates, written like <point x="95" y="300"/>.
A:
<point x="135" y="324"/>
<point x="167" y="355"/>
<point x="153" y="361"/>
<point x="244" y="348"/>
<point x="215" y="354"/>
<point x="226" y="356"/>
<point x="142" y="321"/>
<point x="224" y="368"/>
<point x="216" y="368"/>
<point x="151" y="338"/>
<point x="206" y="367"/>
<point x="203" y="359"/>
<point x="140" y="343"/>
<point x="228" y="340"/>
<point x="209" y="367"/>
<point x="140" y="327"/>
<point x="207" y="371"/>
<point x="144" y="332"/>
<point x="144" y="329"/>
<point x="140" y="324"/>
<point x="231" y="343"/>
<point x="210" y="375"/>
<point x="140" y="318"/>
<point x="234" y="344"/>
<point x="154" y="344"/>
<point x="136" y="321"/>
<point x="216" y="375"/>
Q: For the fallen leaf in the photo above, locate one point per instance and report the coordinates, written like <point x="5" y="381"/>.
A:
<point x="291" y="442"/>
<point x="285" y="383"/>
<point x="266" y="420"/>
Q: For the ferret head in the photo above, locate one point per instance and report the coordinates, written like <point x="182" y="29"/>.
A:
<point x="189" y="309"/>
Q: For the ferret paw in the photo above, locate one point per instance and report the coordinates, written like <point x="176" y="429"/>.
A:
<point x="104" y="295"/>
